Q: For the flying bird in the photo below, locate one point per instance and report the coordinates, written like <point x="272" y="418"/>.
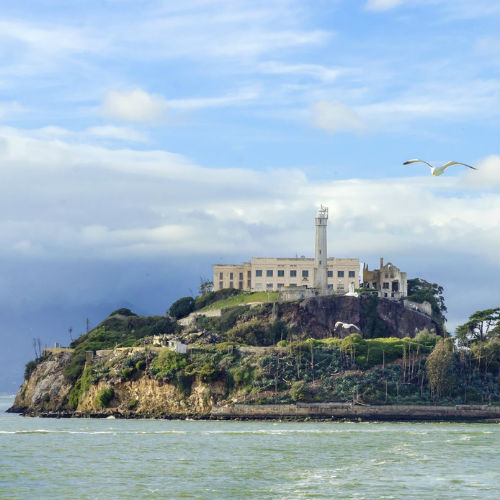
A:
<point x="438" y="170"/>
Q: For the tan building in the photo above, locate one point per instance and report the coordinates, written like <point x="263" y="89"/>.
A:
<point x="271" y="274"/>
<point x="388" y="280"/>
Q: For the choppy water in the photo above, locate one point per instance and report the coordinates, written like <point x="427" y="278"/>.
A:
<point x="143" y="459"/>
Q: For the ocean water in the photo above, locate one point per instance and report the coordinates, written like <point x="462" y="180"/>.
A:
<point x="160" y="459"/>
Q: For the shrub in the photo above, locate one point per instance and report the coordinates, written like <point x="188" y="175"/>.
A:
<point x="167" y="363"/>
<point x="126" y="373"/>
<point x="104" y="397"/>
<point x="299" y="391"/>
<point x="132" y="404"/>
<point x="140" y="365"/>
<point x="123" y="312"/>
<point x="30" y="368"/>
<point x="182" y="307"/>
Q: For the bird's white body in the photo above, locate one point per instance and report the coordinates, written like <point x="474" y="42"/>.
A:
<point x="436" y="171"/>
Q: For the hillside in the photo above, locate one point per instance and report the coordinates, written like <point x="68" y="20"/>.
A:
<point x="255" y="353"/>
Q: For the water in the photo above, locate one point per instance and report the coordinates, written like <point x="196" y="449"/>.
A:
<point x="143" y="459"/>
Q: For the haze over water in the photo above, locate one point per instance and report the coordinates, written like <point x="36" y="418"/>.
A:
<point x="149" y="459"/>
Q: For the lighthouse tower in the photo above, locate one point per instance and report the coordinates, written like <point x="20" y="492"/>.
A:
<point x="321" y="256"/>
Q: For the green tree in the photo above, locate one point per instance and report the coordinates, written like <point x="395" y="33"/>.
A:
<point x="482" y="326"/>
<point x="206" y="286"/>
<point x="440" y="368"/>
<point x="420" y="290"/>
<point x="182" y="307"/>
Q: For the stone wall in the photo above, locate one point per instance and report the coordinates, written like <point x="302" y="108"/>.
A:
<point x="349" y="411"/>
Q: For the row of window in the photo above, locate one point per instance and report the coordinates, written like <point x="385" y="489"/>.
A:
<point x="231" y="275"/>
<point x="269" y="286"/>
<point x="305" y="273"/>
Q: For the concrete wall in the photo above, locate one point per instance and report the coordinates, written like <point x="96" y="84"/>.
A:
<point x="349" y="411"/>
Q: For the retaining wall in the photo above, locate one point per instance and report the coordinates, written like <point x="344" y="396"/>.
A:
<point x="349" y="411"/>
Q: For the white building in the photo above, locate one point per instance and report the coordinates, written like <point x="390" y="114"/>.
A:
<point x="275" y="273"/>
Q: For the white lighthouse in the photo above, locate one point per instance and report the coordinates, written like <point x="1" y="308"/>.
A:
<point x="321" y="256"/>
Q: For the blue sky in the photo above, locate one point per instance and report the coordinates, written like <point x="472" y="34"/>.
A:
<point x="141" y="142"/>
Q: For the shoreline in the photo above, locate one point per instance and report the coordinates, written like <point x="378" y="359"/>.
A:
<point x="303" y="412"/>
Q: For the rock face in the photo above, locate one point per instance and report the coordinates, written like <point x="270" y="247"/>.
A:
<point x="46" y="389"/>
<point x="317" y="317"/>
<point x="47" y="392"/>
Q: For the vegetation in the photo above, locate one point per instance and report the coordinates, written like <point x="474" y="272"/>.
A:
<point x="181" y="307"/>
<point x="440" y="368"/>
<point x="223" y="299"/>
<point x="104" y="397"/>
<point x="481" y="327"/>
<point x="420" y="290"/>
<point x="116" y="332"/>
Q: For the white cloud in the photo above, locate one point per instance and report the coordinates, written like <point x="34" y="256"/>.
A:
<point x="324" y="73"/>
<point x="237" y="98"/>
<point x="378" y="5"/>
<point x="93" y="200"/>
<point x="134" y="106"/>
<point x="335" y="117"/>
<point x="487" y="177"/>
<point x="119" y="133"/>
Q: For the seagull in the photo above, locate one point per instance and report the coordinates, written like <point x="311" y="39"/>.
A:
<point x="438" y="170"/>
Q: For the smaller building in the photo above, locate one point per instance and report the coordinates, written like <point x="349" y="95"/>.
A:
<point x="389" y="281"/>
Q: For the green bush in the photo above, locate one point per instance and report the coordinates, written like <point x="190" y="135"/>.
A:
<point x="140" y="365"/>
<point x="104" y="397"/>
<point x="132" y="404"/>
<point x="123" y="312"/>
<point x="299" y="391"/>
<point x="167" y="363"/>
<point x="126" y="373"/>
<point x="30" y="368"/>
<point x="181" y="307"/>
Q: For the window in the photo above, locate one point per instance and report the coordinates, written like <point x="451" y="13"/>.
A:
<point x="249" y="283"/>
<point x="241" y="276"/>
<point x="221" y="275"/>
<point x="230" y="276"/>
<point x="258" y="272"/>
<point x="385" y="285"/>
<point x="281" y="285"/>
<point x="240" y="285"/>
<point x="293" y="273"/>
<point x="330" y="287"/>
<point x="352" y="274"/>
<point x="258" y="286"/>
<point x="305" y="274"/>
<point x="249" y="274"/>
<point x="269" y="273"/>
<point x="269" y="286"/>
<point x="340" y="286"/>
<point x="231" y="285"/>
<point x="374" y="284"/>
<point x="281" y="273"/>
<point x="330" y="274"/>
<point x="221" y="285"/>
<point x="340" y="274"/>
<point x="292" y="284"/>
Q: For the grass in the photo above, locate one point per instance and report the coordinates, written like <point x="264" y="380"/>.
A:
<point x="242" y="298"/>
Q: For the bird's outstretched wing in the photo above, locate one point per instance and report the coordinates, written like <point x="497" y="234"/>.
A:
<point x="450" y="163"/>
<point x="416" y="160"/>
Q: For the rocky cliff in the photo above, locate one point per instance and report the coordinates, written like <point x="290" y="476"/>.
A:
<point x="316" y="348"/>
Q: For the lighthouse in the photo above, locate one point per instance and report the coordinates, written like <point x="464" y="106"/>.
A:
<point x="321" y="256"/>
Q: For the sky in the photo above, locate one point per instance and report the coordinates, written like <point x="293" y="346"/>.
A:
<point x="141" y="142"/>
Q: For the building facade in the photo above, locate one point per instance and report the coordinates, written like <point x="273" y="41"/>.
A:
<point x="273" y="274"/>
<point x="388" y="280"/>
